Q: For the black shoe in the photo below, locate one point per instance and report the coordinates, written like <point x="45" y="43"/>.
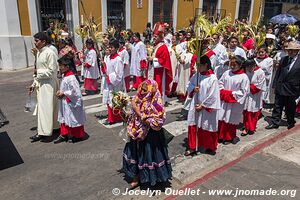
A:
<point x="271" y="126"/>
<point x="55" y="131"/>
<point x="226" y="142"/>
<point x="290" y="126"/>
<point x="101" y="116"/>
<point x="36" y="138"/>
<point x="210" y="152"/>
<point x="60" y="139"/>
<point x="235" y="140"/>
<point x="190" y="153"/>
<point x="31" y="137"/>
<point x="167" y="104"/>
<point x="181" y="118"/>
<point x="244" y="134"/>
<point x="70" y="139"/>
<point x="251" y="132"/>
<point x="74" y="140"/>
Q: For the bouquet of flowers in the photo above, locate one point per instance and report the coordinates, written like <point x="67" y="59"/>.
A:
<point x="121" y="103"/>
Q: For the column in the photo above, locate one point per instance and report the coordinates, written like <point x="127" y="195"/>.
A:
<point x="219" y="7"/>
<point x="251" y="11"/>
<point x="200" y="6"/>
<point x="9" y="16"/>
<point x="150" y="12"/>
<point x="104" y="14"/>
<point x="128" y="14"/>
<point x="76" y="23"/>
<point x="33" y="17"/>
<point x="237" y="9"/>
<point x="175" y="8"/>
<point x="13" y="54"/>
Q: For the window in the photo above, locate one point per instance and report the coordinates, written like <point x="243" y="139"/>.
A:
<point x="245" y="8"/>
<point x="210" y="8"/>
<point x="162" y="11"/>
<point x="116" y="13"/>
<point x="271" y="9"/>
<point x="51" y="9"/>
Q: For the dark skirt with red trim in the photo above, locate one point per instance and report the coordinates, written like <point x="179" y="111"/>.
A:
<point x="148" y="159"/>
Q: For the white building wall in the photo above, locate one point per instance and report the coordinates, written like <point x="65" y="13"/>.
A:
<point x="14" y="47"/>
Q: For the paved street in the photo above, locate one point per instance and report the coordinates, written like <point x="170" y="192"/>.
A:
<point x="258" y="172"/>
<point x="87" y="170"/>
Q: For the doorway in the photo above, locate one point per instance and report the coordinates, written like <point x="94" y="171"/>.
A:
<point x="163" y="11"/>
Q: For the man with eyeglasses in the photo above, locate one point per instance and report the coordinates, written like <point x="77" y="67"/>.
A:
<point x="287" y="87"/>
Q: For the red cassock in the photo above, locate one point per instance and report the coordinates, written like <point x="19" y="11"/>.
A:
<point x="250" y="118"/>
<point x="77" y="132"/>
<point x="163" y="56"/>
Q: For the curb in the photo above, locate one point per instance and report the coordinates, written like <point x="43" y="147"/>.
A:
<point x="245" y="155"/>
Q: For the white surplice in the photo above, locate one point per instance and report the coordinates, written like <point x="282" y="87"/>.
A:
<point x="267" y="66"/>
<point x="254" y="102"/>
<point x="239" y="84"/>
<point x="208" y="97"/>
<point x="174" y="62"/>
<point x="184" y="72"/>
<point x="125" y="59"/>
<point x="93" y="71"/>
<point x="238" y="52"/>
<point x="138" y="53"/>
<point x="71" y="113"/>
<point x="114" y="71"/>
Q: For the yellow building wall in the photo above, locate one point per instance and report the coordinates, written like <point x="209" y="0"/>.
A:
<point x="139" y="16"/>
<point x="256" y="11"/>
<point x="185" y="11"/>
<point x="229" y="6"/>
<point x="24" y="17"/>
<point x="92" y="8"/>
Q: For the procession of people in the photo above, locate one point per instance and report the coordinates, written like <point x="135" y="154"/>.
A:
<point x="224" y="75"/>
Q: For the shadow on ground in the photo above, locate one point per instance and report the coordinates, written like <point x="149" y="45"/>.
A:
<point x="9" y="155"/>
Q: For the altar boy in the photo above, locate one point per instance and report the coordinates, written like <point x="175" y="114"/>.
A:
<point x="71" y="113"/>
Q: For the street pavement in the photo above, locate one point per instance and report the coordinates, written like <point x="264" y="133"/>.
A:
<point x="88" y="169"/>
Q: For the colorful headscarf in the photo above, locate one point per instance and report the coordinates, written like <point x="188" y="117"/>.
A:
<point x="152" y="112"/>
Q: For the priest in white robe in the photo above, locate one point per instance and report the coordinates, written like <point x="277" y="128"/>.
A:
<point x="45" y="83"/>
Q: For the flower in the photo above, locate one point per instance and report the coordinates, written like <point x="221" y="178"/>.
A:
<point x="121" y="104"/>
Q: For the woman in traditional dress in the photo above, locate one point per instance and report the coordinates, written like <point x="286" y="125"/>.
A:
<point x="145" y="156"/>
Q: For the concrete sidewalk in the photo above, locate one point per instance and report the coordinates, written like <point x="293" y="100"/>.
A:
<point x="187" y="169"/>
